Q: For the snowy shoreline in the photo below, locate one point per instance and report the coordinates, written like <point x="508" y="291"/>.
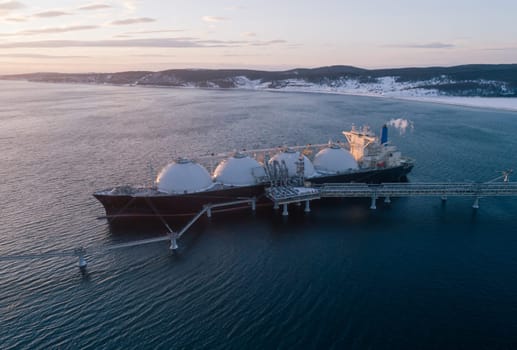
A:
<point x="400" y="92"/>
<point x="378" y="91"/>
<point x="499" y="103"/>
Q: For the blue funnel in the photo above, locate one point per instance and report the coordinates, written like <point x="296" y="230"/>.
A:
<point x="384" y="134"/>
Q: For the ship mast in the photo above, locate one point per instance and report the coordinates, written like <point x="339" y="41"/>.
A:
<point x="359" y="141"/>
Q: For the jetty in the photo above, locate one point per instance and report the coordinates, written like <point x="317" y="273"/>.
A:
<point x="282" y="194"/>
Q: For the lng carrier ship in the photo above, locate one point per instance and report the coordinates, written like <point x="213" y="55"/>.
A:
<point x="184" y="186"/>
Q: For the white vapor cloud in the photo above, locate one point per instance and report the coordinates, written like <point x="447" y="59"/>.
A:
<point x="401" y="125"/>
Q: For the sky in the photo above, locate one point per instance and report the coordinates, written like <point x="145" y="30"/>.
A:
<point x="122" y="35"/>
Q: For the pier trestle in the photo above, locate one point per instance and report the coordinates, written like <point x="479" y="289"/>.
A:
<point x="284" y="195"/>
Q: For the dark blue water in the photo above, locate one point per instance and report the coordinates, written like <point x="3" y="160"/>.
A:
<point x="415" y="274"/>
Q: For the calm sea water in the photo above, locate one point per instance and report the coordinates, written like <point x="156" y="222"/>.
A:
<point x="415" y="274"/>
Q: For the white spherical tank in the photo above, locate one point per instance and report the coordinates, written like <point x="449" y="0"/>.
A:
<point x="334" y="159"/>
<point x="239" y="170"/>
<point x="291" y="157"/>
<point x="183" y="176"/>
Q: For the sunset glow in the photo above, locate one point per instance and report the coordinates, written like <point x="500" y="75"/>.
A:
<point x="120" y="35"/>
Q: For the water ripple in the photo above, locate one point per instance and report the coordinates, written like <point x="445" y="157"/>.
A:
<point x="342" y="276"/>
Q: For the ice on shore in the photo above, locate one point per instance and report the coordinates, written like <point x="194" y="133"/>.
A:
<point x="386" y="87"/>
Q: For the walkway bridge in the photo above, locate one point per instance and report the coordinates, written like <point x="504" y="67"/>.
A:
<point x="285" y="194"/>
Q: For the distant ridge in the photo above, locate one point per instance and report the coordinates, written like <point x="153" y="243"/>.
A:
<point x="484" y="80"/>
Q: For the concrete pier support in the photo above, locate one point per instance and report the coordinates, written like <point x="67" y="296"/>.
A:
<point x="476" y="203"/>
<point x="307" y="206"/>
<point x="275" y="206"/>
<point x="387" y="200"/>
<point x="373" y="205"/>
<point x="209" y="212"/>
<point x="444" y="198"/>
<point x="174" y="244"/>
<point x="285" y="212"/>
<point x="82" y="263"/>
<point x="254" y="204"/>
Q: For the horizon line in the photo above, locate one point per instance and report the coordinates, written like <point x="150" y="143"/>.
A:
<point x="268" y="70"/>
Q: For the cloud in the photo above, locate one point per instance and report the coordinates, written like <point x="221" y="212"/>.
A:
<point x="182" y="42"/>
<point x="165" y="42"/>
<point x="48" y="14"/>
<point x="241" y="55"/>
<point x="51" y="30"/>
<point x="16" y="19"/>
<point x="11" y="5"/>
<point x="213" y="19"/>
<point x="127" y="21"/>
<point x="235" y="8"/>
<point x="508" y="48"/>
<point x="129" y="4"/>
<point x="227" y="42"/>
<point x="266" y="43"/>
<point x="433" y="45"/>
<point x="152" y="55"/>
<point x="30" y="55"/>
<point x="93" y="7"/>
<point x="154" y="31"/>
<point x="8" y="6"/>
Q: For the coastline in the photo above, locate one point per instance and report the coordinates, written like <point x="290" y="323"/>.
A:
<point x="496" y="103"/>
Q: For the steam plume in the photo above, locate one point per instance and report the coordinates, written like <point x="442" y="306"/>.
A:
<point x="401" y="125"/>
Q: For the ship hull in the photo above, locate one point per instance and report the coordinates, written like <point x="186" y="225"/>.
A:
<point x="122" y="206"/>
<point x="393" y="174"/>
<point x="128" y="208"/>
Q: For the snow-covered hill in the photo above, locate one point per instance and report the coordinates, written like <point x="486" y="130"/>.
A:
<point x="468" y="80"/>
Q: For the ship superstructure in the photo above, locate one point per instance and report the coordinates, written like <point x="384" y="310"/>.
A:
<point x="371" y="152"/>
